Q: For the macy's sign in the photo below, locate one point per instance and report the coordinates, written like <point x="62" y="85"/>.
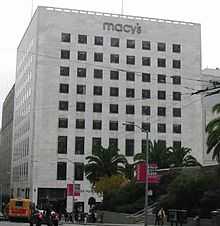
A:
<point x="122" y="28"/>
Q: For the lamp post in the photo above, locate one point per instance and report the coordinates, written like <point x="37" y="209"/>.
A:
<point x="146" y="161"/>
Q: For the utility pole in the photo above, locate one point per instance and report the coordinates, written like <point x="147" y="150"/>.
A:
<point x="0" y="197"/>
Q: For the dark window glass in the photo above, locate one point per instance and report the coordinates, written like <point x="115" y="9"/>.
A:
<point x="80" y="106"/>
<point x="114" y="91"/>
<point x="113" y="108"/>
<point x="161" y="62"/>
<point x="161" y="78"/>
<point x="115" y="42"/>
<point x="114" y="75"/>
<point x="129" y="127"/>
<point x="113" y="142"/>
<point x="146" y="61"/>
<point x="161" y="111"/>
<point x="145" y="93"/>
<point x="98" y="73"/>
<point x="114" y="58"/>
<point x="143" y="146"/>
<point x="130" y="92"/>
<point x="81" y="89"/>
<point x="177" y="144"/>
<point x="161" y="128"/>
<point x="176" y="128"/>
<point x="79" y="145"/>
<point x="64" y="88"/>
<point x="65" y="54"/>
<point x="82" y="39"/>
<point x="63" y="123"/>
<point x="80" y="123"/>
<point x="146" y="126"/>
<point x="99" y="40"/>
<point x="161" y="46"/>
<point x="176" y="112"/>
<point x="130" y="109"/>
<point x="97" y="124"/>
<point x="177" y="96"/>
<point x="176" y="48"/>
<point x="65" y="37"/>
<point x="98" y="57"/>
<point x="62" y="145"/>
<point x="96" y="141"/>
<point x="78" y="171"/>
<point x="146" y="45"/>
<point x="161" y="95"/>
<point x="145" y="77"/>
<point x="129" y="147"/>
<point x="81" y="72"/>
<point x="97" y="107"/>
<point x="162" y="143"/>
<point x="176" y="80"/>
<point x="131" y="44"/>
<point x="113" y="125"/>
<point x="130" y="76"/>
<point x="64" y="71"/>
<point x="82" y="55"/>
<point x="61" y="171"/>
<point x="177" y="64"/>
<point x="63" y="105"/>
<point x="145" y="110"/>
<point x="97" y="90"/>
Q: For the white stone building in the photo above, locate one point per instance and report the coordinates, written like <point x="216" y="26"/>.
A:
<point x="80" y="75"/>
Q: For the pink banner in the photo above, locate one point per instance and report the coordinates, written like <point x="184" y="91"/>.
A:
<point x="69" y="190"/>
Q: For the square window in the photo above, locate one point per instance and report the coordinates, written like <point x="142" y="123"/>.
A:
<point x="129" y="127"/>
<point x="129" y="147"/>
<point x="80" y="106"/>
<point x="80" y="123"/>
<point x="115" y="42"/>
<point x="99" y="40"/>
<point x="113" y="125"/>
<point x="65" y="37"/>
<point x="176" y="48"/>
<point x="65" y="54"/>
<point x="64" y="88"/>
<point x="177" y="144"/>
<point x="162" y="143"/>
<point x="81" y="72"/>
<point x="113" y="108"/>
<point x="63" y="105"/>
<point x="130" y="92"/>
<point x="97" y="124"/>
<point x="176" y="112"/>
<point x="61" y="171"/>
<point x="161" y="46"/>
<point x="62" y="145"/>
<point x="131" y="44"/>
<point x="98" y="57"/>
<point x="78" y="171"/>
<point x="97" y="90"/>
<point x="145" y="110"/>
<point x="82" y="55"/>
<point x="146" y="126"/>
<point x="146" y="61"/>
<point x="79" y="145"/>
<point x="96" y="142"/>
<point x="161" y="95"/>
<point x="114" y="91"/>
<point x="176" y="128"/>
<point x="145" y="93"/>
<point x="161" y="78"/>
<point x="177" y="96"/>
<point x="114" y="75"/>
<point x="130" y="60"/>
<point x="177" y="64"/>
<point x="64" y="71"/>
<point x="130" y="76"/>
<point x="146" y="45"/>
<point x="113" y="142"/>
<point x="161" y="111"/>
<point x="146" y="77"/>
<point x="97" y="107"/>
<point x="82" y="39"/>
<point x="130" y="109"/>
<point x="176" y="80"/>
<point x="98" y="73"/>
<point x="161" y="128"/>
<point x="63" y="123"/>
<point x="81" y="89"/>
<point x="161" y="62"/>
<point x="114" y="58"/>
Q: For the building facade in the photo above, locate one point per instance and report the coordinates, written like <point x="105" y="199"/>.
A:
<point x="80" y="75"/>
<point x="6" y="142"/>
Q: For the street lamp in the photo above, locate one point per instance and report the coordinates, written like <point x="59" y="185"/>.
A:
<point x="146" y="161"/>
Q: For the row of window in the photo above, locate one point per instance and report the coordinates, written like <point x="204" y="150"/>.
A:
<point x="115" y="59"/>
<point x="115" y="42"/>
<point x="114" y="75"/>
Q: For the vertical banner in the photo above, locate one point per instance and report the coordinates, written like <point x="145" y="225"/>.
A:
<point x="69" y="190"/>
<point x="76" y="189"/>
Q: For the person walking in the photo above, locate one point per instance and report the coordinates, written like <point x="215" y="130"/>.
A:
<point x="157" y="219"/>
<point x="161" y="216"/>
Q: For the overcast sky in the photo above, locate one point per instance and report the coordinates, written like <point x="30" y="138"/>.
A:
<point x="15" y="16"/>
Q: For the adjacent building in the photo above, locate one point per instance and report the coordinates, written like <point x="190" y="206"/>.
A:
<point x="80" y="75"/>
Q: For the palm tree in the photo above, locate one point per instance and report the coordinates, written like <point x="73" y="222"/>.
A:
<point x="105" y="162"/>
<point x="213" y="130"/>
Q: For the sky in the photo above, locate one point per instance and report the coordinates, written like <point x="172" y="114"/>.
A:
<point x="15" y="16"/>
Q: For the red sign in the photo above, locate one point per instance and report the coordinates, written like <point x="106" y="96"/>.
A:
<point x="76" y="189"/>
<point x="69" y="190"/>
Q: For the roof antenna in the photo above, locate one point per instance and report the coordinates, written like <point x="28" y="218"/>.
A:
<point x="122" y="7"/>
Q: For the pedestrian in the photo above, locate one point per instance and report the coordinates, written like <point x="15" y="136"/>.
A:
<point x="157" y="219"/>
<point x="161" y="216"/>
